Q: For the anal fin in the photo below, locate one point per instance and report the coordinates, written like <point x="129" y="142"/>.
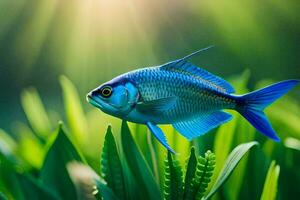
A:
<point x="202" y="124"/>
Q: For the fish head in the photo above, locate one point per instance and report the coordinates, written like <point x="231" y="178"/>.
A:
<point x="116" y="97"/>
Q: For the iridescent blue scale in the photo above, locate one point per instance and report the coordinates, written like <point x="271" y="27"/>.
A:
<point x="194" y="96"/>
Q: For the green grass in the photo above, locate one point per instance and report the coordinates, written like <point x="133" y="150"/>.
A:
<point x="95" y="156"/>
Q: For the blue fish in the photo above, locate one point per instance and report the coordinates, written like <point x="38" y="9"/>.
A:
<point x="186" y="96"/>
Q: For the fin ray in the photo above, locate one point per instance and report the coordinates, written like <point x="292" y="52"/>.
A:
<point x="251" y="105"/>
<point x="156" y="106"/>
<point x="201" y="125"/>
<point x="159" y="135"/>
<point x="212" y="80"/>
<point x="197" y="52"/>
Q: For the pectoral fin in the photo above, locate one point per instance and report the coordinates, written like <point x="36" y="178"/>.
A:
<point x="159" y="135"/>
<point x="156" y="106"/>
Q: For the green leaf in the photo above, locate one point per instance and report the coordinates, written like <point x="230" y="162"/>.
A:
<point x="143" y="139"/>
<point x="111" y="167"/>
<point x="233" y="159"/>
<point x="240" y="81"/>
<point x="35" y="112"/>
<point x="205" y="168"/>
<point x="7" y="145"/>
<point x="34" y="189"/>
<point x="173" y="188"/>
<point x="271" y="182"/>
<point x="75" y="115"/>
<point x="88" y="184"/>
<point x="54" y="173"/>
<point x="105" y="192"/>
<point x="28" y="145"/>
<point x="189" y="175"/>
<point x="223" y="143"/>
<point x="292" y="143"/>
<point x="228" y="132"/>
<point x="233" y="186"/>
<point x="147" y="187"/>
<point x="9" y="183"/>
<point x="2" y="197"/>
<point x="140" y="135"/>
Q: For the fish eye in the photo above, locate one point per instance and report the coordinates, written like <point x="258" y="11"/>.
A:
<point x="106" y="91"/>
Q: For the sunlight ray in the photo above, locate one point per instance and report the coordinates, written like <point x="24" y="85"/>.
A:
<point x="9" y="12"/>
<point x="79" y="48"/>
<point x="239" y="20"/>
<point x="30" y="40"/>
<point x="142" y="32"/>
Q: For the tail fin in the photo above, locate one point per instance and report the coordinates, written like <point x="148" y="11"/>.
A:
<point x="251" y="105"/>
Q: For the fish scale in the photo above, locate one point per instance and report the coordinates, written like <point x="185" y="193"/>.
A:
<point x="194" y="97"/>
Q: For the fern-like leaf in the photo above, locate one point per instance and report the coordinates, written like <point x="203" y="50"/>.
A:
<point x="173" y="188"/>
<point x="111" y="167"/>
<point x="204" y="173"/>
<point x="190" y="175"/>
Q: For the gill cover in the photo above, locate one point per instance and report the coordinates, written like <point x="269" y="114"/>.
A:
<point x="119" y="101"/>
<point x="123" y="97"/>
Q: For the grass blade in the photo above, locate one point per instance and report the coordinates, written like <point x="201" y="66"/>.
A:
<point x="223" y="144"/>
<point x="190" y="174"/>
<point x="54" y="172"/>
<point x="270" y="186"/>
<point x="28" y="145"/>
<point x="75" y="115"/>
<point x="148" y="188"/>
<point x="233" y="159"/>
<point x="7" y="145"/>
<point x="34" y="189"/>
<point x="35" y="112"/>
<point x="9" y="184"/>
<point x="233" y="186"/>
<point x="292" y="143"/>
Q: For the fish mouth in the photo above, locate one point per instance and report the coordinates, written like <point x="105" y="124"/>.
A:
<point x="91" y="100"/>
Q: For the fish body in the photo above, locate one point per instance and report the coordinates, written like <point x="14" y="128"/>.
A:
<point x="186" y="96"/>
<point x="190" y="96"/>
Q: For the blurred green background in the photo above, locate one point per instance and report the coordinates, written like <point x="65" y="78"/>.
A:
<point x="92" y="41"/>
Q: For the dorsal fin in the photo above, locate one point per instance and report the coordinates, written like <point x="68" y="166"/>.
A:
<point x="197" y="52"/>
<point x="190" y="55"/>
<point x="185" y="67"/>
